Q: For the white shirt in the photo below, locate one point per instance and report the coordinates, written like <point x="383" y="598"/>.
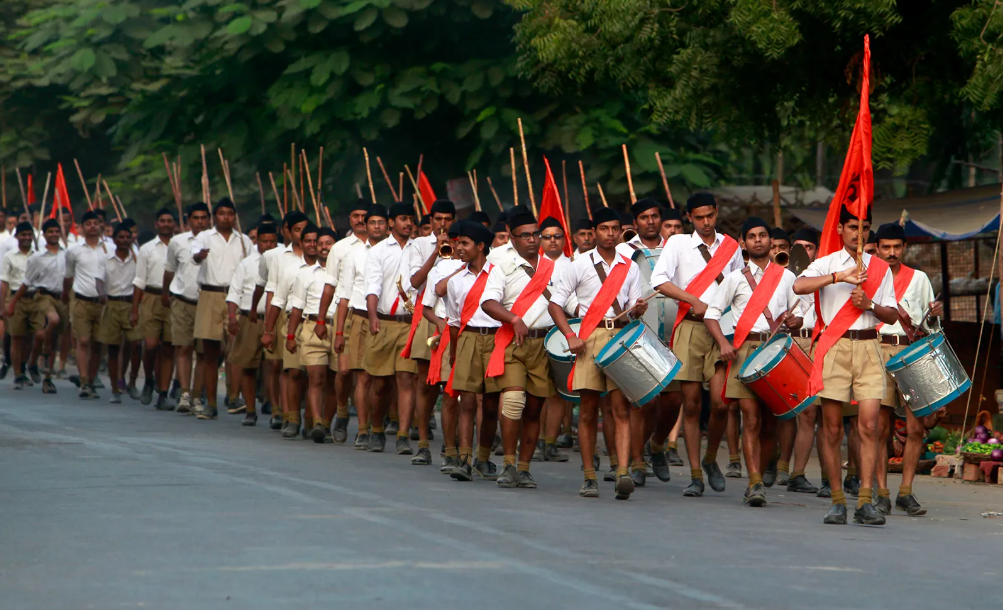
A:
<point x="150" y="264"/>
<point x="500" y="254"/>
<point x="224" y="255"/>
<point x="561" y="266"/>
<point x="308" y="288"/>
<point x="735" y="292"/>
<point x="681" y="261"/>
<point x="179" y="262"/>
<point x="13" y="267"/>
<point x="336" y="258"/>
<point x="419" y="252"/>
<point x="119" y="275"/>
<point x="282" y="270"/>
<point x="581" y="279"/>
<point x="10" y="244"/>
<point x="918" y="296"/>
<point x="457" y="289"/>
<point x="46" y="270"/>
<point x="386" y="262"/>
<point x="507" y="281"/>
<point x="442" y="269"/>
<point x="86" y="265"/>
<point x="626" y="250"/>
<point x="834" y="296"/>
<point x="807" y="311"/>
<point x="352" y="283"/>
<point x="244" y="281"/>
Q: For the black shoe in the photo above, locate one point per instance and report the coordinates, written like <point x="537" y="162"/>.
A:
<point x="339" y="431"/>
<point x="36" y="376"/>
<point x="431" y="435"/>
<point x="448" y="464"/>
<point x="85" y="391"/>
<point x="770" y="474"/>
<point x="250" y="419"/>
<point x="610" y="474"/>
<point x="5" y="368"/>
<point x="362" y="441"/>
<point x="508" y="478"/>
<point x="207" y="412"/>
<point x="638" y="476"/>
<point x="883" y="505"/>
<point x="175" y="389"/>
<point x="755" y="495"/>
<point x="431" y="423"/>
<point x="462" y="471"/>
<point x="317" y="433"/>
<point x="48" y="387"/>
<point x="74" y="379"/>
<point x="19" y="382"/>
<point x="836" y="515"/>
<point x="538" y="451"/>
<point x="133" y="392"/>
<point x="422" y="458"/>
<point x="733" y="470"/>
<point x="590" y="489"/>
<point x="595" y="462"/>
<point x="910" y="505"/>
<point x="442" y="450"/>
<point x="146" y="397"/>
<point x="673" y="457"/>
<point x="485" y="470"/>
<point x="660" y="466"/>
<point x="868" y="515"/>
<point x="526" y="480"/>
<point x="801" y="485"/>
<point x="824" y="491"/>
<point x="266" y="408"/>
<point x="694" y="489"/>
<point x="377" y="442"/>
<point x="495" y="444"/>
<point x="783" y="478"/>
<point x="291" y="431"/>
<point x="236" y="406"/>
<point x="564" y="441"/>
<point x="403" y="446"/>
<point x="392" y="428"/>
<point x="851" y="485"/>
<point x="714" y="476"/>
<point x="552" y="454"/>
<point x="624" y="487"/>
<point x="575" y="445"/>
<point x="97" y="384"/>
<point x="413" y="433"/>
<point x="275" y="422"/>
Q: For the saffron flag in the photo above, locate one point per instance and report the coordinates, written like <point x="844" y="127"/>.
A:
<point x="856" y="182"/>
<point x="61" y="200"/>
<point x="31" y="189"/>
<point x="427" y="194"/>
<point x="550" y="205"/>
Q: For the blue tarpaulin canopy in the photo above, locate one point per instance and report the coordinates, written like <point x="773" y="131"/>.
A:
<point x="951" y="215"/>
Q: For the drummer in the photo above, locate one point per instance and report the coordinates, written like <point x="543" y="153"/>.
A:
<point x="556" y="410"/>
<point x="914" y="295"/>
<point x="584" y="236"/>
<point x="761" y="299"/>
<point x="851" y="369"/>
<point x="607" y="284"/>
<point x="672" y="223"/>
<point x="689" y="270"/>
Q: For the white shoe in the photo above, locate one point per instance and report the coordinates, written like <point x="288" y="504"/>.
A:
<point x="185" y="404"/>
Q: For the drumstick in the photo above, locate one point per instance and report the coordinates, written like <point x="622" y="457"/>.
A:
<point x="643" y="300"/>
<point x="928" y="311"/>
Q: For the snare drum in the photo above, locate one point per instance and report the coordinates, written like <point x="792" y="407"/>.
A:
<point x="638" y="362"/>
<point x="777" y="372"/>
<point x="928" y="374"/>
<point x="561" y="359"/>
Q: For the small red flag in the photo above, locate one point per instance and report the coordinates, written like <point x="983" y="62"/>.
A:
<point x="427" y="194"/>
<point x="550" y="206"/>
<point x="31" y="189"/>
<point x="856" y="182"/>
<point x="61" y="199"/>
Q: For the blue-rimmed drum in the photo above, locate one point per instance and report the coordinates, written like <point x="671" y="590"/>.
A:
<point x="777" y="372"/>
<point x="661" y="312"/>
<point x="638" y="362"/>
<point x="561" y="359"/>
<point x="928" y="374"/>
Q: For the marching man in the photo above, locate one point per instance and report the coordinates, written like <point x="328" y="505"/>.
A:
<point x="149" y="313"/>
<point x="85" y="263"/>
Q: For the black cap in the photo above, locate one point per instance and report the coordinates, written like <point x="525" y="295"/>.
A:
<point x="25" y="226"/>
<point x="267" y="228"/>
<point x="605" y="215"/>
<point x="583" y="224"/>
<point x="626" y="219"/>
<point x="294" y="218"/>
<point x="474" y="230"/>
<point x="520" y="218"/>
<point x="443" y="206"/>
<point x="550" y="222"/>
<point x="671" y="214"/>
<point x="806" y="234"/>
<point x="500" y="227"/>
<point x="400" y="209"/>
<point x="479" y="216"/>
<point x="699" y="200"/>
<point x="376" y="210"/>
<point x="198" y="206"/>
<point x="643" y="205"/>
<point x="359" y="205"/>
<point x="753" y="222"/>
<point x="891" y="230"/>
<point x="778" y="233"/>
<point x="846" y="216"/>
<point x="425" y="220"/>
<point x="327" y="231"/>
<point x="225" y="203"/>
<point x="90" y="215"/>
<point x="50" y="224"/>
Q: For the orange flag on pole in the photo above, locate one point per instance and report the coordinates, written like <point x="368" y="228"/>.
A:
<point x="31" y="189"/>
<point x="427" y="194"/>
<point x="61" y="200"/>
<point x="550" y="205"/>
<point x="856" y="182"/>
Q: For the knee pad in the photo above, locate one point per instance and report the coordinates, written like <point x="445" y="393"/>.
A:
<point x="512" y="404"/>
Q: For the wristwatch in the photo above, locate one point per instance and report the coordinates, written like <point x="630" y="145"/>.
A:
<point x="871" y="306"/>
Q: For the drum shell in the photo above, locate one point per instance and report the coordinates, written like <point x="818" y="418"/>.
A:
<point x="782" y="385"/>
<point x="562" y="363"/>
<point x="928" y="375"/>
<point x="639" y="363"/>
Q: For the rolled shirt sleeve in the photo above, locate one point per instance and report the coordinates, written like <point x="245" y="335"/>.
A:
<point x="236" y="286"/>
<point x="721" y="300"/>
<point x="297" y="293"/>
<point x="564" y="287"/>
<point x="374" y="276"/>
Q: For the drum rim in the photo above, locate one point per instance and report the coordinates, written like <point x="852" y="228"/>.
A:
<point x="555" y="330"/>
<point x="611" y="352"/>
<point x="942" y="402"/>
<point x="915" y="352"/>
<point x="742" y="376"/>
<point x="661" y="385"/>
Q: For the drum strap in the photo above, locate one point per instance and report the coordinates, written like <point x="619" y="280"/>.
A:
<point x="752" y="283"/>
<point x="602" y="278"/>
<point x="531" y="272"/>
<point x="705" y="253"/>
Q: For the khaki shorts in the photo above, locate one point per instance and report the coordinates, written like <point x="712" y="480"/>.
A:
<point x="289" y="361"/>
<point x="313" y="351"/>
<point x="526" y="367"/>
<point x="115" y="324"/>
<point x="473" y="350"/>
<point x="383" y="351"/>
<point x="86" y="318"/>
<point x="853" y="370"/>
<point x="419" y="346"/>
<point x="246" y="350"/>
<point x="211" y="316"/>
<point x="182" y="323"/>
<point x="154" y="318"/>
<point x="734" y="388"/>
<point x="891" y="397"/>
<point x="46" y="304"/>
<point x="27" y="318"/>
<point x="587" y="375"/>
<point x="333" y="356"/>
<point x="279" y="340"/>
<point x="355" y="346"/>
<point x="697" y="351"/>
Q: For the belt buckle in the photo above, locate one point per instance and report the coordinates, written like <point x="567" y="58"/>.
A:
<point x="610" y="325"/>
<point x="898" y="340"/>
<point x="483" y="330"/>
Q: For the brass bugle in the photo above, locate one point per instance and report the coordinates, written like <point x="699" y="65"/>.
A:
<point x="445" y="251"/>
<point x="782" y="258"/>
<point x="433" y="342"/>
<point x="628" y="234"/>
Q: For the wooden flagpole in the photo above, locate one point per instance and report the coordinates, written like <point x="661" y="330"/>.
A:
<point x="112" y="197"/>
<point x="630" y="180"/>
<point x="665" y="181"/>
<point x="41" y="210"/>
<point x="400" y="184"/>
<point x="473" y="188"/>
<point x="296" y="197"/>
<point x="602" y="196"/>
<point x="417" y="191"/>
<point x="585" y="190"/>
<point x="309" y="181"/>
<point x="369" y="175"/>
<point x="261" y="191"/>
<point x="525" y="164"/>
<point x="495" y="194"/>
<point x="278" y="200"/>
<point x="83" y="183"/>
<point x="386" y="177"/>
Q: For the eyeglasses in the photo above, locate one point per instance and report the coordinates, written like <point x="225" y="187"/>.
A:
<point x="555" y="236"/>
<point x="528" y="235"/>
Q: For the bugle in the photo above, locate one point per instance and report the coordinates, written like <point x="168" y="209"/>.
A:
<point x="782" y="258"/>
<point x="628" y="234"/>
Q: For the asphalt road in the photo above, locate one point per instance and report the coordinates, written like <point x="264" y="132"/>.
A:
<point x="119" y="506"/>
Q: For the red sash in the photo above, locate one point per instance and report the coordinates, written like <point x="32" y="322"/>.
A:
<point x="705" y="278"/>
<point x="471" y="304"/>
<point x="416" y="319"/>
<point x="435" y="366"/>
<point x="757" y="304"/>
<point x="844" y="319"/>
<point x="902" y="281"/>
<point x="601" y="304"/>
<point x="533" y="290"/>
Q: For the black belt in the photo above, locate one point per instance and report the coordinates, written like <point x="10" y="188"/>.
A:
<point x="481" y="330"/>
<point x="185" y="299"/>
<point x="896" y="340"/>
<point x="81" y="297"/>
<point x="398" y="318"/>
<point x="861" y="335"/>
<point x="153" y="291"/>
<point x="692" y="317"/>
<point x="615" y="323"/>
<point x="804" y="333"/>
<point x="761" y="337"/>
<point x="360" y="313"/>
<point x="245" y="312"/>
<point x="29" y="294"/>
<point x="316" y="318"/>
<point x="538" y="333"/>
<point x="121" y="299"/>
<point x="55" y="295"/>
<point x="208" y="288"/>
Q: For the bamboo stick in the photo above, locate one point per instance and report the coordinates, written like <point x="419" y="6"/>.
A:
<point x="585" y="190"/>
<point x="112" y="197"/>
<point x="473" y="187"/>
<point x="417" y="191"/>
<point x="41" y="210"/>
<point x="24" y="196"/>
<point x="495" y="194"/>
<point x="327" y="213"/>
<point x="97" y="194"/>
<point x="417" y="210"/>
<point x="309" y="180"/>
<point x="525" y="164"/>
<point x="62" y="231"/>
<point x="369" y="175"/>
<point x="386" y="177"/>
<point x="665" y="181"/>
<point x="206" y="193"/>
<point x="3" y="186"/>
<point x="278" y="200"/>
<point x="567" y="203"/>
<point x="83" y="183"/>
<point x="602" y="195"/>
<point x="630" y="180"/>
<point x="515" y="187"/>
<point x="400" y="184"/>
<point x="229" y="190"/>
<point x="776" y="203"/>
<point x="170" y="178"/>
<point x="285" y="189"/>
<point x="261" y="191"/>
<point x="303" y="197"/>
<point x="320" y="174"/>
<point x="296" y="197"/>
<point x="358" y="190"/>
